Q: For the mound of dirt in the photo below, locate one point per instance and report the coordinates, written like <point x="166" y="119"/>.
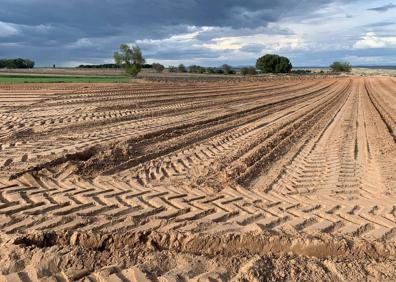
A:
<point x="176" y="256"/>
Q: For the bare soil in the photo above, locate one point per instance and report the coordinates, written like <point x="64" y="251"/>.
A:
<point x="267" y="179"/>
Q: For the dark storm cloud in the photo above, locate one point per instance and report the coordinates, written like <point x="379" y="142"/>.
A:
<point x="65" y="31"/>
<point x="101" y="17"/>
<point x="69" y="20"/>
<point x="383" y="8"/>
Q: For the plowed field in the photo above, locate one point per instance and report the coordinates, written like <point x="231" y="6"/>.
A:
<point x="284" y="179"/>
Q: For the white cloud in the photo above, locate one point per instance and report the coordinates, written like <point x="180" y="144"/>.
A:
<point x="371" y="40"/>
<point x="43" y="28"/>
<point x="7" y="29"/>
<point x="272" y="43"/>
<point x="215" y="45"/>
<point x="9" y="44"/>
<point x="80" y="43"/>
<point x="179" y="38"/>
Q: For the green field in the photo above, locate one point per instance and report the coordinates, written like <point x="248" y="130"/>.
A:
<point x="62" y="79"/>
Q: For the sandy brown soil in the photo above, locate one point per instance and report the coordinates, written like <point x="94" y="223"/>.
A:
<point x="283" y="179"/>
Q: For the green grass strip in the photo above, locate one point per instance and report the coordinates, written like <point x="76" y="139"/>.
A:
<point x="63" y="79"/>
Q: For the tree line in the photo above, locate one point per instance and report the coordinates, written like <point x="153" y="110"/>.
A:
<point x="132" y="60"/>
<point x="18" y="63"/>
<point x="110" y="66"/>
<point x="224" y="69"/>
<point x="102" y="66"/>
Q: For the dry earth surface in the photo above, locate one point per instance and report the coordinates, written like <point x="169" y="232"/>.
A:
<point x="276" y="179"/>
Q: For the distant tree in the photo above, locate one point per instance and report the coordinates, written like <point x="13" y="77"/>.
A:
<point x="7" y="63"/>
<point x="211" y="70"/>
<point x="196" y="69"/>
<point x="133" y="69"/>
<point x="158" y="67"/>
<point x="182" y="68"/>
<point x="301" y="72"/>
<point x="103" y="66"/>
<point x="244" y="71"/>
<point x="192" y="69"/>
<point x="248" y="71"/>
<point x="341" y="67"/>
<point x="130" y="58"/>
<point x="252" y="71"/>
<point x="29" y="64"/>
<point x="172" y="69"/>
<point x="274" y="64"/>
<point x="18" y="63"/>
<point x="227" y="69"/>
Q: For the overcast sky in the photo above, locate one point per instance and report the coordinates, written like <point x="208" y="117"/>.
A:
<point x="206" y="32"/>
